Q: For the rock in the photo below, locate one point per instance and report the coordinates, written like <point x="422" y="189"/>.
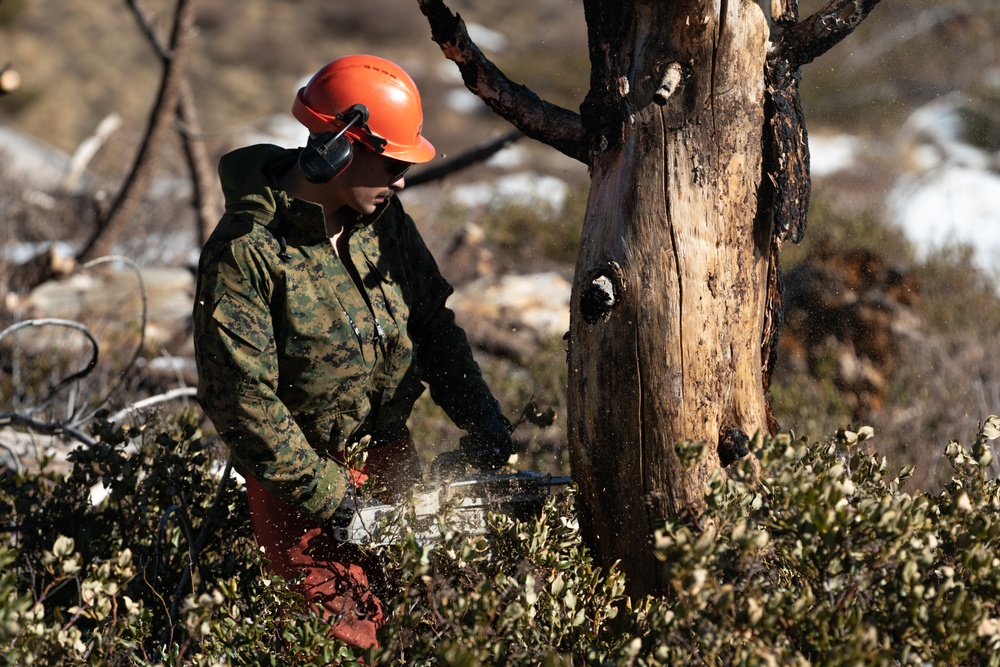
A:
<point x="466" y="258"/>
<point x="109" y="295"/>
<point x="512" y="314"/>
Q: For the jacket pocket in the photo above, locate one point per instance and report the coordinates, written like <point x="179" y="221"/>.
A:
<point x="242" y="322"/>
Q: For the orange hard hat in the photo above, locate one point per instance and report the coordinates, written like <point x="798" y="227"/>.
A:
<point x="388" y="93"/>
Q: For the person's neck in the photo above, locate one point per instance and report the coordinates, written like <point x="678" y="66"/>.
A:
<point x="295" y="185"/>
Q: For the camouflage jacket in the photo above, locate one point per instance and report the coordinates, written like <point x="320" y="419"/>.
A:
<point x="294" y="363"/>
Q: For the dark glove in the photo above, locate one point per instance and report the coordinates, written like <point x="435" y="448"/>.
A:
<point x="488" y="444"/>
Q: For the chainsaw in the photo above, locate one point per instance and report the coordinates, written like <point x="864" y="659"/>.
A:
<point x="461" y="505"/>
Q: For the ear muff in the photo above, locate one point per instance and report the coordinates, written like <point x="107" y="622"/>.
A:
<point x="327" y="155"/>
<point x="324" y="158"/>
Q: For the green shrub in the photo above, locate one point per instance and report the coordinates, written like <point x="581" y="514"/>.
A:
<point x="822" y="559"/>
<point x="164" y="571"/>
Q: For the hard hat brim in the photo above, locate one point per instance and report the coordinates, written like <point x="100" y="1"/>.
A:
<point x="422" y="152"/>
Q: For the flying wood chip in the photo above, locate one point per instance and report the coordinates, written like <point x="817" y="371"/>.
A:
<point x="540" y="418"/>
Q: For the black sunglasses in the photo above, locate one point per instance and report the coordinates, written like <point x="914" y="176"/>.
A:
<point x="397" y="167"/>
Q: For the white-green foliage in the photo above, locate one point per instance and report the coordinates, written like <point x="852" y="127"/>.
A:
<point x="823" y="559"/>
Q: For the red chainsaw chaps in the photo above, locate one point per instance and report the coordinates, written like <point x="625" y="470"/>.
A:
<point x="341" y="582"/>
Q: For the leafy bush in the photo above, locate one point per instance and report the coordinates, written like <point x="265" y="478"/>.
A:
<point x="164" y="571"/>
<point x="825" y="559"/>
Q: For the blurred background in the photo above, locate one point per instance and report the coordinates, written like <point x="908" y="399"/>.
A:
<point x="892" y="316"/>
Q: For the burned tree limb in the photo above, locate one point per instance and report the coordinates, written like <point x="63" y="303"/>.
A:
<point x="810" y="38"/>
<point x="69" y="324"/>
<point x="543" y="121"/>
<point x="45" y="427"/>
<point x="786" y="151"/>
<point x="88" y="148"/>
<point x="164" y="112"/>
<point x="205" y="198"/>
<point x="466" y="159"/>
<point x="787" y="147"/>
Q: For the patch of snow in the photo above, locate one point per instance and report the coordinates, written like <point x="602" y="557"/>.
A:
<point x="448" y="71"/>
<point x="172" y="188"/>
<point x="486" y="38"/>
<point x="527" y="189"/>
<point x="508" y="157"/>
<point x="280" y="129"/>
<point x="219" y="466"/>
<point x="463" y="101"/>
<point x="31" y="160"/>
<point x="938" y="125"/>
<point x="19" y="253"/>
<point x="955" y="204"/>
<point x="951" y="194"/>
<point x="829" y="154"/>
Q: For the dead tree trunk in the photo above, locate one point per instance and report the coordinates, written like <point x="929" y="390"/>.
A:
<point x="668" y="310"/>
<point x="699" y="165"/>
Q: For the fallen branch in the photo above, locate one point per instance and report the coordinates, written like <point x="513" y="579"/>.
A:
<point x="143" y="320"/>
<point x="69" y="324"/>
<point x="173" y="394"/>
<point x="88" y="148"/>
<point x="47" y="428"/>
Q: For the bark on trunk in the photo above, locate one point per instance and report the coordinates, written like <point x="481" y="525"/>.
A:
<point x="669" y="303"/>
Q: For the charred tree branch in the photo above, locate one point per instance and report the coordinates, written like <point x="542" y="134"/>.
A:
<point x="466" y="159"/>
<point x="163" y="114"/>
<point x="143" y="321"/>
<point x="69" y="324"/>
<point x="48" y="428"/>
<point x="543" y="121"/>
<point x="807" y="40"/>
<point x="206" y="201"/>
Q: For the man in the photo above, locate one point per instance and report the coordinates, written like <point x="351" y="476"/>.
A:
<point x="320" y="316"/>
